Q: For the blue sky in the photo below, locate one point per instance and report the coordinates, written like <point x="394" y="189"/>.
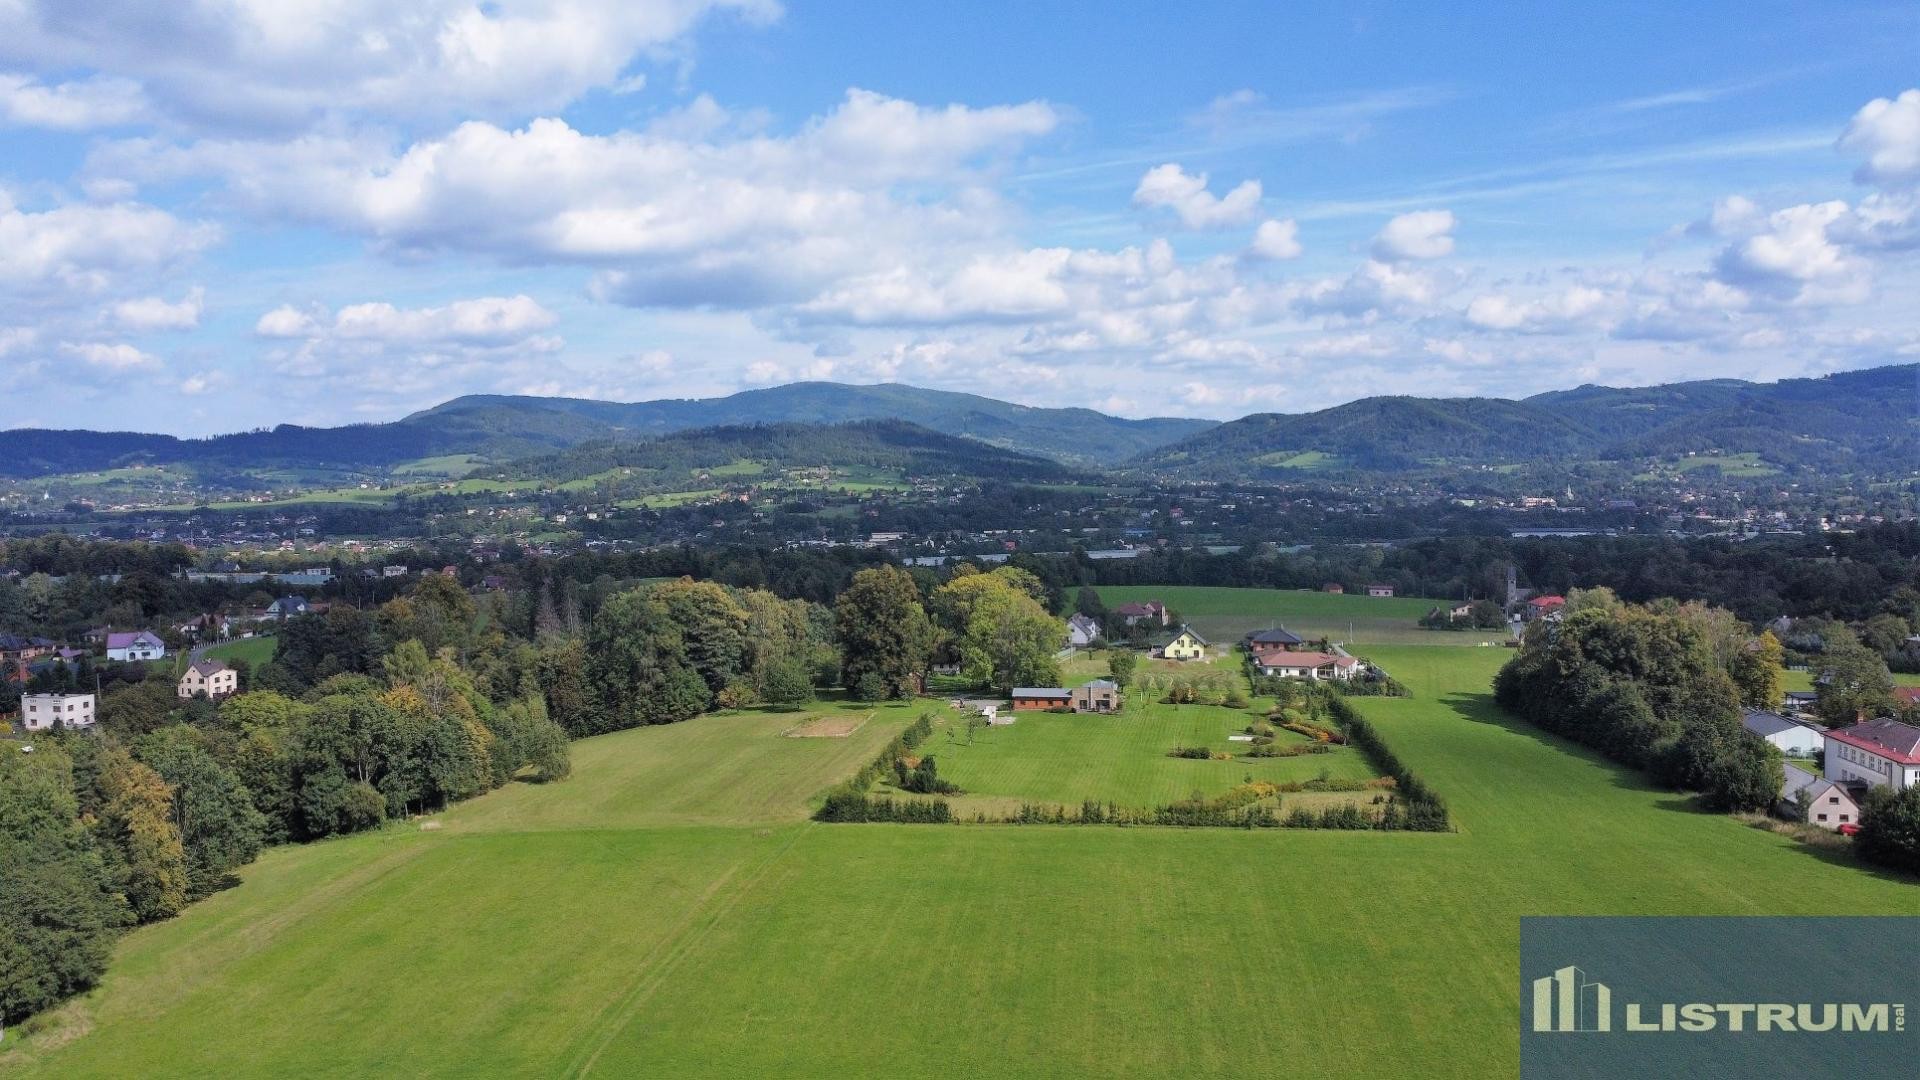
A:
<point x="222" y="214"/>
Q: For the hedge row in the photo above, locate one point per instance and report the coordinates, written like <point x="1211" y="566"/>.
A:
<point x="849" y="806"/>
<point x="1420" y="807"/>
<point x="849" y="801"/>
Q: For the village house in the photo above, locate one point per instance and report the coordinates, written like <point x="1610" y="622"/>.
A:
<point x="209" y="678"/>
<point x="1380" y="590"/>
<point x="41" y="712"/>
<point x="287" y="607"/>
<point x="1817" y="800"/>
<point x="17" y="649"/>
<point x="1274" y="639"/>
<point x="1306" y="665"/>
<point x="1333" y="587"/>
<point x="1098" y="696"/>
<point x="1031" y="698"/>
<point x="1183" y="645"/>
<point x="1792" y="737"/>
<point x="1799" y="702"/>
<point x="1876" y="753"/>
<point x="1143" y="611"/>
<point x="1082" y="631"/>
<point x="1545" y="607"/>
<point x="135" y="645"/>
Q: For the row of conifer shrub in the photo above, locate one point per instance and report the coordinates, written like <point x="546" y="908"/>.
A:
<point x="850" y="802"/>
<point x="1420" y="807"/>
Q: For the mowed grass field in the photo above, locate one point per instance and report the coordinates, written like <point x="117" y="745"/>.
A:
<point x="610" y="926"/>
<point x="254" y="650"/>
<point x="1062" y="759"/>
<point x="1224" y="615"/>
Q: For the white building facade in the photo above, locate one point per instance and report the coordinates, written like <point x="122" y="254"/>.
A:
<point x="42" y="712"/>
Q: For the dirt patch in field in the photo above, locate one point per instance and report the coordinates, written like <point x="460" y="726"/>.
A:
<point x="828" y="727"/>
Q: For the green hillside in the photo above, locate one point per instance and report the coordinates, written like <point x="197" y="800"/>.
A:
<point x="1841" y="423"/>
<point x="665" y="912"/>
<point x="504" y="427"/>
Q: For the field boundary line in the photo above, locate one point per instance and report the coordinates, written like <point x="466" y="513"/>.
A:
<point x="692" y="930"/>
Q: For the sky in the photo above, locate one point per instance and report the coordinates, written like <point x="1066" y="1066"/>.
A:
<point x="217" y="215"/>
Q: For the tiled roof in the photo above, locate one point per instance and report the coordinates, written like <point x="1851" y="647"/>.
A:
<point x="1886" y="738"/>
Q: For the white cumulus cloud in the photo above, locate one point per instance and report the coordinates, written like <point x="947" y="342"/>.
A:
<point x="149" y="313"/>
<point x="1171" y="187"/>
<point x="272" y="63"/>
<point x="1276" y="239"/>
<point x="1886" y="132"/>
<point x="1422" y="234"/>
<point x="78" y="105"/>
<point x="118" y="357"/>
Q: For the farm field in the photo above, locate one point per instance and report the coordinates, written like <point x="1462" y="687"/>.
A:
<point x="1223" y="615"/>
<point x="1064" y="758"/>
<point x="668" y="912"/>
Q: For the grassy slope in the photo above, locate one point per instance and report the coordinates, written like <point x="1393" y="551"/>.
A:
<point x="1225" y="614"/>
<point x="564" y="930"/>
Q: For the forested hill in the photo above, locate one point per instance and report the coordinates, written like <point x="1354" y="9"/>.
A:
<point x="1858" y="421"/>
<point x="1078" y="435"/>
<point x="504" y="428"/>
<point x="889" y="445"/>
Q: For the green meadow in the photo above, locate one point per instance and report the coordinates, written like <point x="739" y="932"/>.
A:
<point x="669" y="911"/>
<point x="254" y="650"/>
<point x="1223" y="615"/>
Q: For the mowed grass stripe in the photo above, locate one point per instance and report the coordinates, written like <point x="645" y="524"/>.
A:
<point x="726" y="769"/>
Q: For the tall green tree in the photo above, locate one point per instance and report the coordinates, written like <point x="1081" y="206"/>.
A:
<point x="713" y="628"/>
<point x="219" y="827"/>
<point x="1757" y="670"/>
<point x="1853" y="681"/>
<point x="885" y="636"/>
<point x="136" y="824"/>
<point x="1008" y="639"/>
<point x="637" y="667"/>
<point x="59" y="915"/>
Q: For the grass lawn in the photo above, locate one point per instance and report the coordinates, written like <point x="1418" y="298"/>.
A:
<point x="1223" y="615"/>
<point x="668" y="912"/>
<point x="254" y="650"/>
<point x="1803" y="680"/>
<point x="1060" y="758"/>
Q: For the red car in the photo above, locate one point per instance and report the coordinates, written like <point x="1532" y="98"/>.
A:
<point x="1849" y="829"/>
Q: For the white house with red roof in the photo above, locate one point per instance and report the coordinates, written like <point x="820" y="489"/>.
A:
<point x="1541" y="607"/>
<point x="1306" y="665"/>
<point x="1878" y="753"/>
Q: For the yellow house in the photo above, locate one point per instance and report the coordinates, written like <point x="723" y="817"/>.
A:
<point x="1185" y="645"/>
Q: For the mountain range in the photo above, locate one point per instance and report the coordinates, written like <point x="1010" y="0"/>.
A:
<point x="506" y="427"/>
<point x="1866" y="420"/>
<point x="1851" y="421"/>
